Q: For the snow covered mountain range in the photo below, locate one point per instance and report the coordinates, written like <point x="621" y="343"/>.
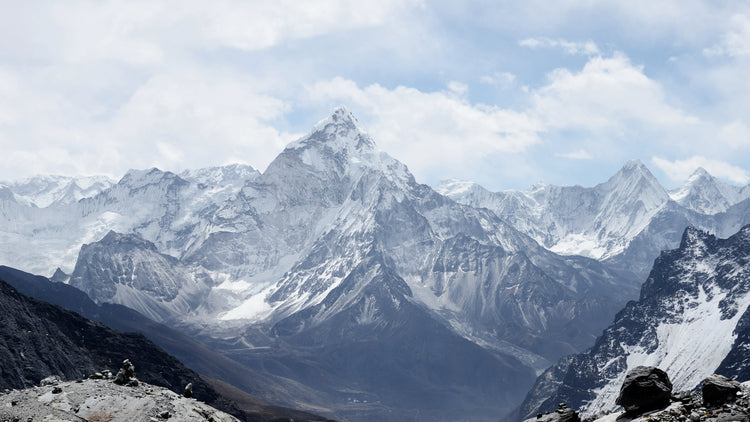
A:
<point x="626" y="220"/>
<point x="691" y="320"/>
<point x="336" y="269"/>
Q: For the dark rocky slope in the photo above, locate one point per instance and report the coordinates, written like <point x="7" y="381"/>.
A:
<point x="38" y="339"/>
<point x="213" y="366"/>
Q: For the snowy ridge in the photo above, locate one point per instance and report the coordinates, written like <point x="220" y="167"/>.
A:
<point x="602" y="222"/>
<point x="44" y="191"/>
<point x="280" y="242"/>
<point x="595" y="222"/>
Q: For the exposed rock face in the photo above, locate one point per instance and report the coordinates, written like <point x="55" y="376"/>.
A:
<point x="726" y="400"/>
<point x="645" y="388"/>
<point x="127" y="269"/>
<point x="718" y="390"/>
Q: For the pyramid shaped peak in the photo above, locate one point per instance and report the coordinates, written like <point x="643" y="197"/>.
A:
<point x="633" y="170"/>
<point x="339" y="131"/>
<point x="634" y="164"/>
<point x="700" y="172"/>
<point x="343" y="113"/>
<point x="339" y="117"/>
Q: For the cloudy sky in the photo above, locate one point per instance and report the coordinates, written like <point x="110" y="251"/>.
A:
<point x="503" y="93"/>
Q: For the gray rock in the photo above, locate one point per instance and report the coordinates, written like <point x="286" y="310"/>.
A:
<point x="718" y="390"/>
<point x="645" y="388"/>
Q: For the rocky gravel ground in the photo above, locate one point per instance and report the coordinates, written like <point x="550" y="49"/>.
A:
<point x="102" y="400"/>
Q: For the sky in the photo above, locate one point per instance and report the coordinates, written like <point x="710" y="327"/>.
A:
<point x="504" y="93"/>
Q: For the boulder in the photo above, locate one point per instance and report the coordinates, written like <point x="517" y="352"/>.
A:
<point x="718" y="390"/>
<point x="645" y="388"/>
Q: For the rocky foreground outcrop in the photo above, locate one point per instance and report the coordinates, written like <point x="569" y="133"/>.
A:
<point x="646" y="396"/>
<point x="103" y="400"/>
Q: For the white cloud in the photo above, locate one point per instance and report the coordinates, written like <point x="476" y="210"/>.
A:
<point x="431" y="130"/>
<point x="581" y="154"/>
<point x="736" y="41"/>
<point x="145" y="33"/>
<point x="607" y="94"/>
<point x="502" y="80"/>
<point x="735" y="135"/>
<point x="176" y="119"/>
<point x="680" y="170"/>
<point x="458" y="88"/>
<point x="587" y="48"/>
<point x="259" y="24"/>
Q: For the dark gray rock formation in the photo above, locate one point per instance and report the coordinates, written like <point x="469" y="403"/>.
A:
<point x="126" y="374"/>
<point x="718" y="390"/>
<point x="645" y="388"/>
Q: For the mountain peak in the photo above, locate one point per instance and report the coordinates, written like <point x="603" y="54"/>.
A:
<point x="706" y="194"/>
<point x="694" y="238"/>
<point x="343" y="114"/>
<point x="634" y="164"/>
<point x="340" y="131"/>
<point x="636" y="177"/>
<point x="699" y="172"/>
<point x="340" y="118"/>
<point x="635" y="169"/>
